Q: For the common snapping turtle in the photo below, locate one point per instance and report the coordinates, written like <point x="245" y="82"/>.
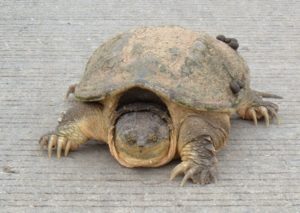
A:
<point x="157" y="93"/>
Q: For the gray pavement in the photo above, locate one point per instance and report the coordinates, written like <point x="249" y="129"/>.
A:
<point x="44" y="46"/>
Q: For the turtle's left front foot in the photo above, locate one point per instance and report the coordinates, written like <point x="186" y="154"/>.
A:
<point x="199" y="162"/>
<point x="260" y="109"/>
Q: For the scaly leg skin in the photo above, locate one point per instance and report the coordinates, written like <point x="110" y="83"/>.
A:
<point x="79" y="124"/>
<point x="255" y="108"/>
<point x="199" y="138"/>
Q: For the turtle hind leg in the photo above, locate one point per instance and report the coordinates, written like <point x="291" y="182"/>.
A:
<point x="79" y="124"/>
<point x="200" y="137"/>
<point x="255" y="108"/>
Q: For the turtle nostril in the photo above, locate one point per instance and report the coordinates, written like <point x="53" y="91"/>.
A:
<point x="140" y="143"/>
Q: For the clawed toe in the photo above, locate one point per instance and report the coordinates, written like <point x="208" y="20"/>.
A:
<point x="267" y="112"/>
<point x="196" y="173"/>
<point x="263" y="110"/>
<point x="179" y="169"/>
<point x="44" y="141"/>
<point x="51" y="142"/>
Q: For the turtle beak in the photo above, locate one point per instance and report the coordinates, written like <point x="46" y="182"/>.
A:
<point x="141" y="142"/>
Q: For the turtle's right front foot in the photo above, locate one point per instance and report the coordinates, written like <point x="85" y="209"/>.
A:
<point x="79" y="124"/>
<point x="52" y="141"/>
<point x="68" y="134"/>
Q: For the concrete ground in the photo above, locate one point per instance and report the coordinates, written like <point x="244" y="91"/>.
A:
<point x="44" y="46"/>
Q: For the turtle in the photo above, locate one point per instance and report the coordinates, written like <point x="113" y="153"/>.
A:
<point x="159" y="93"/>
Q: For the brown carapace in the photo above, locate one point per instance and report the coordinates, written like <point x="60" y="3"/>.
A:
<point x="158" y="93"/>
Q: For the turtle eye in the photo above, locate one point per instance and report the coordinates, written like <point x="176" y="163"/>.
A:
<point x="152" y="138"/>
<point x="130" y="139"/>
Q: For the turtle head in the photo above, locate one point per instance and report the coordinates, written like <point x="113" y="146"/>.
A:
<point x="142" y="136"/>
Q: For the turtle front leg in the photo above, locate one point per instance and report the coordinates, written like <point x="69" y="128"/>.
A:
<point x="79" y="124"/>
<point x="255" y="108"/>
<point x="200" y="137"/>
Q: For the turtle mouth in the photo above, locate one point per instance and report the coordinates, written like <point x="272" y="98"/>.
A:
<point x="144" y="156"/>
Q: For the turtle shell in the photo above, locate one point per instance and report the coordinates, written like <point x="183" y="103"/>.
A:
<point x="189" y="68"/>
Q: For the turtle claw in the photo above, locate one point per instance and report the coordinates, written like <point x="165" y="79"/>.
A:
<point x="67" y="149"/>
<point x="263" y="110"/>
<point x="190" y="173"/>
<point x="197" y="173"/>
<point x="253" y="115"/>
<point x="52" y="144"/>
<point x="179" y="169"/>
<point x="61" y="142"/>
<point x="266" y="111"/>
<point x="52" y="141"/>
